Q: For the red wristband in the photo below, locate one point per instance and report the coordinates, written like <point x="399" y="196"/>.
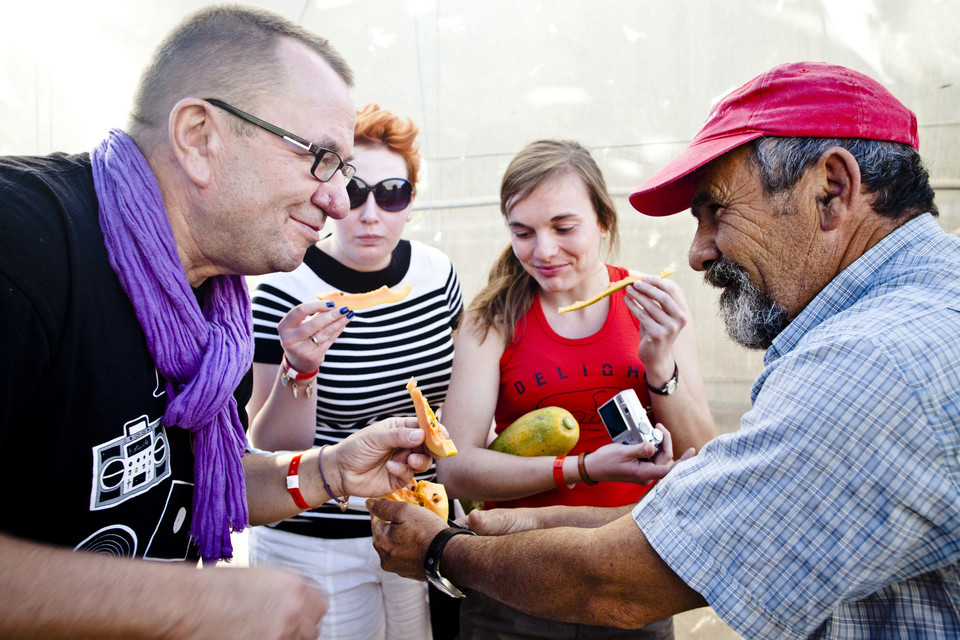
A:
<point x="558" y="471"/>
<point x="293" y="482"/>
<point x="287" y="370"/>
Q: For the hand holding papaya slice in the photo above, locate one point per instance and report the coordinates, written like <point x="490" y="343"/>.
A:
<point x="614" y="286"/>
<point x="431" y="495"/>
<point x="436" y="440"/>
<point x="357" y="301"/>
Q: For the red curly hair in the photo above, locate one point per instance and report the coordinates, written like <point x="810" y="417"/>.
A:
<point x="378" y="126"/>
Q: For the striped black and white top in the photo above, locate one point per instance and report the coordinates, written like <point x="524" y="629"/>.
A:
<point x="364" y="374"/>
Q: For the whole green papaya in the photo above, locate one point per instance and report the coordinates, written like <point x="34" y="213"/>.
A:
<point x="548" y="431"/>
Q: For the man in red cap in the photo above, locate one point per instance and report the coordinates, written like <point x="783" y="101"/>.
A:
<point x="834" y="511"/>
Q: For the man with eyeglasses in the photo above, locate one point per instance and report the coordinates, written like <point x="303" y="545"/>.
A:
<point x="363" y="361"/>
<point x="127" y="333"/>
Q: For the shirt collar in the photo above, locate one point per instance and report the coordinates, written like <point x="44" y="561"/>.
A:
<point x="850" y="284"/>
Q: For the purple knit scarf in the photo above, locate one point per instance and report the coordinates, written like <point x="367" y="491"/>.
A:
<point x="202" y="354"/>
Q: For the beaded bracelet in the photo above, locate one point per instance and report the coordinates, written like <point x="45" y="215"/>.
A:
<point x="342" y="501"/>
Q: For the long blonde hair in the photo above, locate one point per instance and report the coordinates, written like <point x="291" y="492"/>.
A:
<point x="510" y="290"/>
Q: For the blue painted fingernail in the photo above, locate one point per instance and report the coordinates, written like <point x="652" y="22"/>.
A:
<point x="350" y="315"/>
<point x="344" y="310"/>
<point x="330" y="305"/>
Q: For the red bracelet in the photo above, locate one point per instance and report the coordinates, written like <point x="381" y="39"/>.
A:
<point x="293" y="482"/>
<point x="287" y="370"/>
<point x="291" y="377"/>
<point x="558" y="471"/>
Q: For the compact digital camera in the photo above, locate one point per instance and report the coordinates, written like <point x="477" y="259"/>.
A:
<point x="626" y="421"/>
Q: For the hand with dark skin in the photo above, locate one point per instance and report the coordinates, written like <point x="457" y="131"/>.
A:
<point x="522" y="558"/>
<point x="628" y="583"/>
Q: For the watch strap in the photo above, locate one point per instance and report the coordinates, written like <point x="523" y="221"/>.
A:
<point x="431" y="562"/>
<point x="669" y="387"/>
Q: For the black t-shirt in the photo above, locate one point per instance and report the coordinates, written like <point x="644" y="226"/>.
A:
<point x="84" y="459"/>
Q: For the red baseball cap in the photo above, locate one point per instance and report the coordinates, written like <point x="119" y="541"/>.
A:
<point x="798" y="99"/>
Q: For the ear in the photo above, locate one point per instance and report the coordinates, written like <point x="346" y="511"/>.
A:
<point x="839" y="188"/>
<point x="194" y="136"/>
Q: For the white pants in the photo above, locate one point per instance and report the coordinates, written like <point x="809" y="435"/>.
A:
<point x="366" y="602"/>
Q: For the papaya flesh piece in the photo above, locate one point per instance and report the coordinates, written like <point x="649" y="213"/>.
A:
<point x="357" y="301"/>
<point x="437" y="442"/>
<point x="431" y="495"/>
<point x="547" y="431"/>
<point x="614" y="287"/>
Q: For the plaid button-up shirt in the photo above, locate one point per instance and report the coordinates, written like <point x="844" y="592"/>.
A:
<point x="834" y="511"/>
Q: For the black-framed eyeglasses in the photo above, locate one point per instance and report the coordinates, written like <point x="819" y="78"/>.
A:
<point x="327" y="162"/>
<point x="392" y="194"/>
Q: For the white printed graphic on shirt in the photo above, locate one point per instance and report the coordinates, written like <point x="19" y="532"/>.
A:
<point x="116" y="540"/>
<point x="130" y="464"/>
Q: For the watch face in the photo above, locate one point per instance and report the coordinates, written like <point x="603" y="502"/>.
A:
<point x="669" y="387"/>
<point x="445" y="586"/>
<point x="431" y="562"/>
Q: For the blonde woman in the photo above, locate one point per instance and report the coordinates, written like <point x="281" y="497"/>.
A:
<point x="516" y="352"/>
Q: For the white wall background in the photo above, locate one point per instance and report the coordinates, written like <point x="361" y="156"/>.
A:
<point x="630" y="79"/>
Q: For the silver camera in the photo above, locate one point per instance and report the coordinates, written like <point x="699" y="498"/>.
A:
<point x="626" y="421"/>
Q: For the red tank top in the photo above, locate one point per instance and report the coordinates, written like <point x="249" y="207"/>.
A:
<point x="544" y="369"/>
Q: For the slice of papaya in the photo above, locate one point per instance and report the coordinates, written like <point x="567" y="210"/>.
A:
<point x="406" y="493"/>
<point x="437" y="442"/>
<point x="431" y="495"/>
<point x="614" y="286"/>
<point x="357" y="301"/>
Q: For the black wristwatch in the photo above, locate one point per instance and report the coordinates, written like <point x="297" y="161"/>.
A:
<point x="669" y="387"/>
<point x="431" y="563"/>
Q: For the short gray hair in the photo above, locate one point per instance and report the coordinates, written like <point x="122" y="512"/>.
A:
<point x="224" y="52"/>
<point x="893" y="172"/>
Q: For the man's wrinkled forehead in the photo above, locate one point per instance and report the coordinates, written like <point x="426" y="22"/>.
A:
<point x="710" y="180"/>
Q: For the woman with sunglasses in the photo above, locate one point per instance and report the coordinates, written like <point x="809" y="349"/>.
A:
<point x="322" y="373"/>
<point x="517" y="352"/>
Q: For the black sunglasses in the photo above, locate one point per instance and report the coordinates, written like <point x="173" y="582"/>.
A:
<point x="327" y="161"/>
<point x="392" y="194"/>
